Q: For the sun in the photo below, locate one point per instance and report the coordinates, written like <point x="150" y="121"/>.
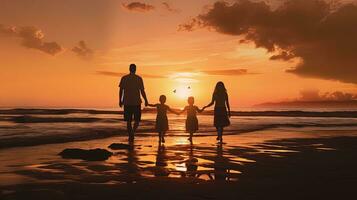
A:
<point x="183" y="92"/>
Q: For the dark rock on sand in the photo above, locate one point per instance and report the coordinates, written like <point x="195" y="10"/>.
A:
<point x="191" y="164"/>
<point x="160" y="171"/>
<point x="90" y="155"/>
<point x="117" y="146"/>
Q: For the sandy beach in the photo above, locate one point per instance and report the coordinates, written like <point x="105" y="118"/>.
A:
<point x="278" y="163"/>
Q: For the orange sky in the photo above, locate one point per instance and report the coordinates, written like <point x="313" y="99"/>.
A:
<point x="168" y="59"/>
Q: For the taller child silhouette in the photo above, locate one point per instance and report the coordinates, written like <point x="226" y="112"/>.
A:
<point x="130" y="88"/>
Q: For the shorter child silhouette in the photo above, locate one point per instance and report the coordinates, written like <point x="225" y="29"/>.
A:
<point x="191" y="120"/>
<point x="162" y="124"/>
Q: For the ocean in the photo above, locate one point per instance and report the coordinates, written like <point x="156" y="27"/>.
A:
<point x="28" y="127"/>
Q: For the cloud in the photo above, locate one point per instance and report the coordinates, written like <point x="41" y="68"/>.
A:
<point x="314" y="95"/>
<point x="138" y="6"/>
<point x="185" y="76"/>
<point x="228" y="72"/>
<point x="119" y="74"/>
<point x="221" y="72"/>
<point x="169" y="8"/>
<point x="83" y="51"/>
<point x="31" y="37"/>
<point x="320" y="34"/>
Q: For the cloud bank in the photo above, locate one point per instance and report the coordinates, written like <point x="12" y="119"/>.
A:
<point x="228" y="72"/>
<point x="119" y="74"/>
<point x="31" y="37"/>
<point x="314" y="95"/>
<point x="169" y="7"/>
<point x="83" y="51"/>
<point x="322" y="35"/>
<point x="138" y="6"/>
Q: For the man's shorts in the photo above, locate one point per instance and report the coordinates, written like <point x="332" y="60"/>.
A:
<point x="132" y="111"/>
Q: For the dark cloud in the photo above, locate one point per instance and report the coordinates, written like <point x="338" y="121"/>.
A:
<point x="119" y="74"/>
<point x="314" y="95"/>
<point x="321" y="34"/>
<point x="138" y="6"/>
<point x="169" y="8"/>
<point x="32" y="38"/>
<point x="83" y="51"/>
<point x="228" y="72"/>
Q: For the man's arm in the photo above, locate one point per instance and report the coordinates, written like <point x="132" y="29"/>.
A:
<point x="142" y="90"/>
<point x="121" y="91"/>
<point x="144" y="96"/>
<point x="120" y="97"/>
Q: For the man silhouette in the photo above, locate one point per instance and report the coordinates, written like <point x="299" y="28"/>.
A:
<point x="130" y="88"/>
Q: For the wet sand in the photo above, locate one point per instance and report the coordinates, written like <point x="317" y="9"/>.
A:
<point x="271" y="164"/>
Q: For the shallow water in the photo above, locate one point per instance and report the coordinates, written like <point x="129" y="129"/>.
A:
<point x="34" y="129"/>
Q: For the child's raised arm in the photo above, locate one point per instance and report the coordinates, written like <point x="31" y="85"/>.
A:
<point x="200" y="110"/>
<point x="170" y="110"/>
<point x="152" y="105"/>
<point x="182" y="111"/>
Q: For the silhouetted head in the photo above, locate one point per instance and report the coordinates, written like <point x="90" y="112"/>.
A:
<point x="162" y="99"/>
<point x="220" y="88"/>
<point x="132" y="68"/>
<point x="190" y="101"/>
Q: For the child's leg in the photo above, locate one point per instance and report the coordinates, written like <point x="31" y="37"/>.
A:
<point x="219" y="133"/>
<point x="162" y="136"/>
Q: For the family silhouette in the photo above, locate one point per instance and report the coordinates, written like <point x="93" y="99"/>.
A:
<point x="131" y="88"/>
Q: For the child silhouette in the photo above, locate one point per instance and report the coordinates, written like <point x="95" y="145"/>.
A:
<point x="162" y="124"/>
<point x="191" y="120"/>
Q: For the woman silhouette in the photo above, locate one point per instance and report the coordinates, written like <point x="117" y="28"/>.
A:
<point x="221" y="116"/>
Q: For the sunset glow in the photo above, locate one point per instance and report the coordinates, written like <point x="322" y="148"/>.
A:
<point x="183" y="92"/>
<point x="84" y="54"/>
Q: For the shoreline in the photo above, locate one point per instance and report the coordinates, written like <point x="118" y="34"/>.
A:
<point x="288" y="164"/>
<point x="266" y="113"/>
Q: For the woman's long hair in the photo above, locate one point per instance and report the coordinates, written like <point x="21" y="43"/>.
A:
<point x="220" y="89"/>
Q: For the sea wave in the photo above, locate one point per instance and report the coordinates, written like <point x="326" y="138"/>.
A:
<point x="290" y="113"/>
<point x="17" y="140"/>
<point x="28" y="127"/>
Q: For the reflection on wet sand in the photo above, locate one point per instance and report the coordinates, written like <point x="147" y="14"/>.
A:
<point x="132" y="168"/>
<point x="177" y="158"/>
<point x="161" y="162"/>
<point x="200" y="170"/>
<point x="221" y="171"/>
<point x="140" y="161"/>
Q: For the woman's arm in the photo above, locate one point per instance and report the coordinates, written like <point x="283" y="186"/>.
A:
<point x="210" y="104"/>
<point x="228" y="107"/>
